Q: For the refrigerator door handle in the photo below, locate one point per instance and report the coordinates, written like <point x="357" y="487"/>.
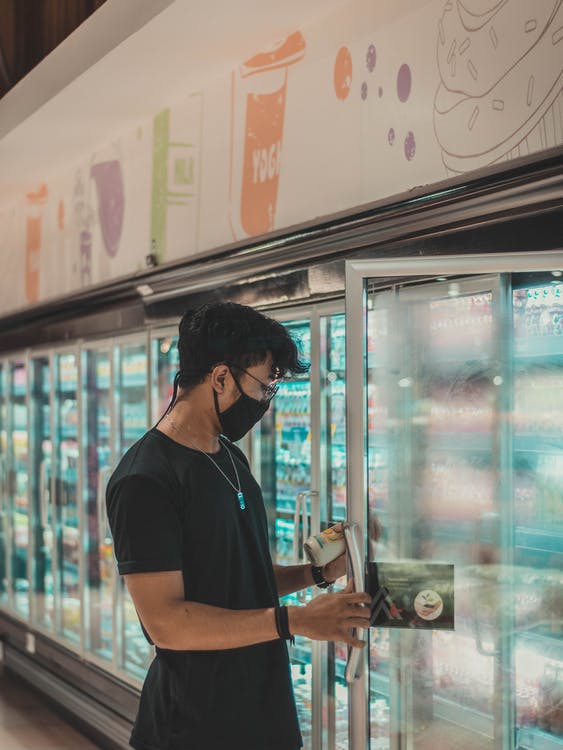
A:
<point x="299" y="556"/>
<point x="103" y="477"/>
<point x="43" y="466"/>
<point x="355" y="662"/>
<point x="3" y="483"/>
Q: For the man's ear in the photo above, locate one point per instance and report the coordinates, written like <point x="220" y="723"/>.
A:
<point x="218" y="376"/>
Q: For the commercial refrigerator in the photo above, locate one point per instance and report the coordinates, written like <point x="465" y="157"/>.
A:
<point x="131" y="408"/>
<point x="100" y="580"/>
<point x="4" y="515"/>
<point x="455" y="383"/>
<point x="17" y="488"/>
<point x="43" y="559"/>
<point x="298" y="455"/>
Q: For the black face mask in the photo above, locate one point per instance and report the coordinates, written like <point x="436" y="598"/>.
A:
<point x="241" y="417"/>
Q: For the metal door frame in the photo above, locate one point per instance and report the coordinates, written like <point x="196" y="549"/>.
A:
<point x="357" y="273"/>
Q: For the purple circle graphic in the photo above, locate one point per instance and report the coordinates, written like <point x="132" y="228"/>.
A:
<point x="380" y="91"/>
<point x="410" y="146"/>
<point x="391" y="136"/>
<point x="371" y="57"/>
<point x="364" y="91"/>
<point x="404" y="82"/>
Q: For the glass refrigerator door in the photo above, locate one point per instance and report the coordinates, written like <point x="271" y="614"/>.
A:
<point x="131" y="369"/>
<point x="68" y="551"/>
<point x="18" y="500"/>
<point x="96" y="468"/>
<point x="165" y="363"/>
<point x="333" y="507"/>
<point x="4" y="577"/>
<point x="448" y="383"/>
<point x="40" y="473"/>
<point x="537" y="323"/>
<point x="284" y="450"/>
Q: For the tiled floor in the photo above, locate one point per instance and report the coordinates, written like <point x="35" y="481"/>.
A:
<point x="26" y="723"/>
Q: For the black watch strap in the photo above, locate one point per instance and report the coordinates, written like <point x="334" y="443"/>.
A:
<point x="319" y="579"/>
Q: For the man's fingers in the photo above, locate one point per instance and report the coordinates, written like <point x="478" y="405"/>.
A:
<point x="357" y="598"/>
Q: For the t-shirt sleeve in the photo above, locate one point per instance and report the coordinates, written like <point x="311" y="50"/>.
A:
<point x="146" y="526"/>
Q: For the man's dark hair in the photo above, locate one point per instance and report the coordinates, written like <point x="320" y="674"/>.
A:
<point x="225" y="332"/>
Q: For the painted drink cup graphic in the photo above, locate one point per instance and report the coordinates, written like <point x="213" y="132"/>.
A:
<point x="257" y="119"/>
<point x="35" y="202"/>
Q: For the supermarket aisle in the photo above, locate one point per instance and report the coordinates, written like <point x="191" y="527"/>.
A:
<point x="26" y="723"/>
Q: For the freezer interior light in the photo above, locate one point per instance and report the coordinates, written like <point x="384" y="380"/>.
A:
<point x="144" y="290"/>
<point x="557" y="273"/>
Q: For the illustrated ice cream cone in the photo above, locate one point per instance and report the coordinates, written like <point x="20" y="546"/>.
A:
<point x="35" y="202"/>
<point x="501" y="70"/>
<point x="257" y="119"/>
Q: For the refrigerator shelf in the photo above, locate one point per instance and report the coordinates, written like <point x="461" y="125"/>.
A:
<point x="532" y="738"/>
<point x="550" y="347"/>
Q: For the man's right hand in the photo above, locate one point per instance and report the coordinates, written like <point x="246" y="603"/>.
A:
<point x="331" y="617"/>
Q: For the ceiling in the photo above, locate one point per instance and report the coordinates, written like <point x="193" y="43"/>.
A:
<point x="126" y="61"/>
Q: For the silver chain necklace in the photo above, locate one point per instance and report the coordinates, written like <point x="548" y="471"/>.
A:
<point x="238" y="490"/>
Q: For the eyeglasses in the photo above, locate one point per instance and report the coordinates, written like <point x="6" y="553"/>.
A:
<point x="269" y="390"/>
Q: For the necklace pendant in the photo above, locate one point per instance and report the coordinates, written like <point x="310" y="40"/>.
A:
<point x="240" y="497"/>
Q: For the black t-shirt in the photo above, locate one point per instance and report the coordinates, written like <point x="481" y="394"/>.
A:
<point x="170" y="508"/>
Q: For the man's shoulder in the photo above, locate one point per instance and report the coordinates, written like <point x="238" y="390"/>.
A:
<point x="150" y="458"/>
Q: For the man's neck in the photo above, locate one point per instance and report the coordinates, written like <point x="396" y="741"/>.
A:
<point x="191" y="425"/>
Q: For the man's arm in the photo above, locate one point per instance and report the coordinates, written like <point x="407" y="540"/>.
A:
<point x="290" y="578"/>
<point x="179" y="625"/>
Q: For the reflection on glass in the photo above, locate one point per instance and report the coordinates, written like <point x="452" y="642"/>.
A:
<point x="3" y="487"/>
<point x="131" y="394"/>
<point x="40" y="492"/>
<point x="465" y="458"/>
<point x="432" y="473"/>
<point x="18" y="457"/>
<point x="96" y="458"/>
<point x="538" y="510"/>
<point x="165" y="365"/>
<point x="66" y="495"/>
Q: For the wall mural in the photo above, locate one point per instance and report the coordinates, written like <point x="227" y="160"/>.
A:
<point x="176" y="177"/>
<point x="372" y="101"/>
<point x="500" y="94"/>
<point x="35" y="202"/>
<point x="258" y="99"/>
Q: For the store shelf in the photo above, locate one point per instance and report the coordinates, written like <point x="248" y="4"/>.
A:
<point x="550" y="347"/>
<point x="538" y="443"/>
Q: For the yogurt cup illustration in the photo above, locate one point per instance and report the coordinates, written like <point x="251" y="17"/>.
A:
<point x="35" y="202"/>
<point x="501" y="70"/>
<point x="258" y="96"/>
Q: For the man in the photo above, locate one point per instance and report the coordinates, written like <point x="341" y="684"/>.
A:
<point x="191" y="539"/>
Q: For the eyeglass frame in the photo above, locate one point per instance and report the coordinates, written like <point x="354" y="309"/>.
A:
<point x="269" y="391"/>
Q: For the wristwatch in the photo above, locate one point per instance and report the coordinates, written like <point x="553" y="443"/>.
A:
<point x="319" y="578"/>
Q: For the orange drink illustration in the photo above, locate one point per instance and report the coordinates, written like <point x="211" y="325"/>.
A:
<point x="35" y="202"/>
<point x="257" y="119"/>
